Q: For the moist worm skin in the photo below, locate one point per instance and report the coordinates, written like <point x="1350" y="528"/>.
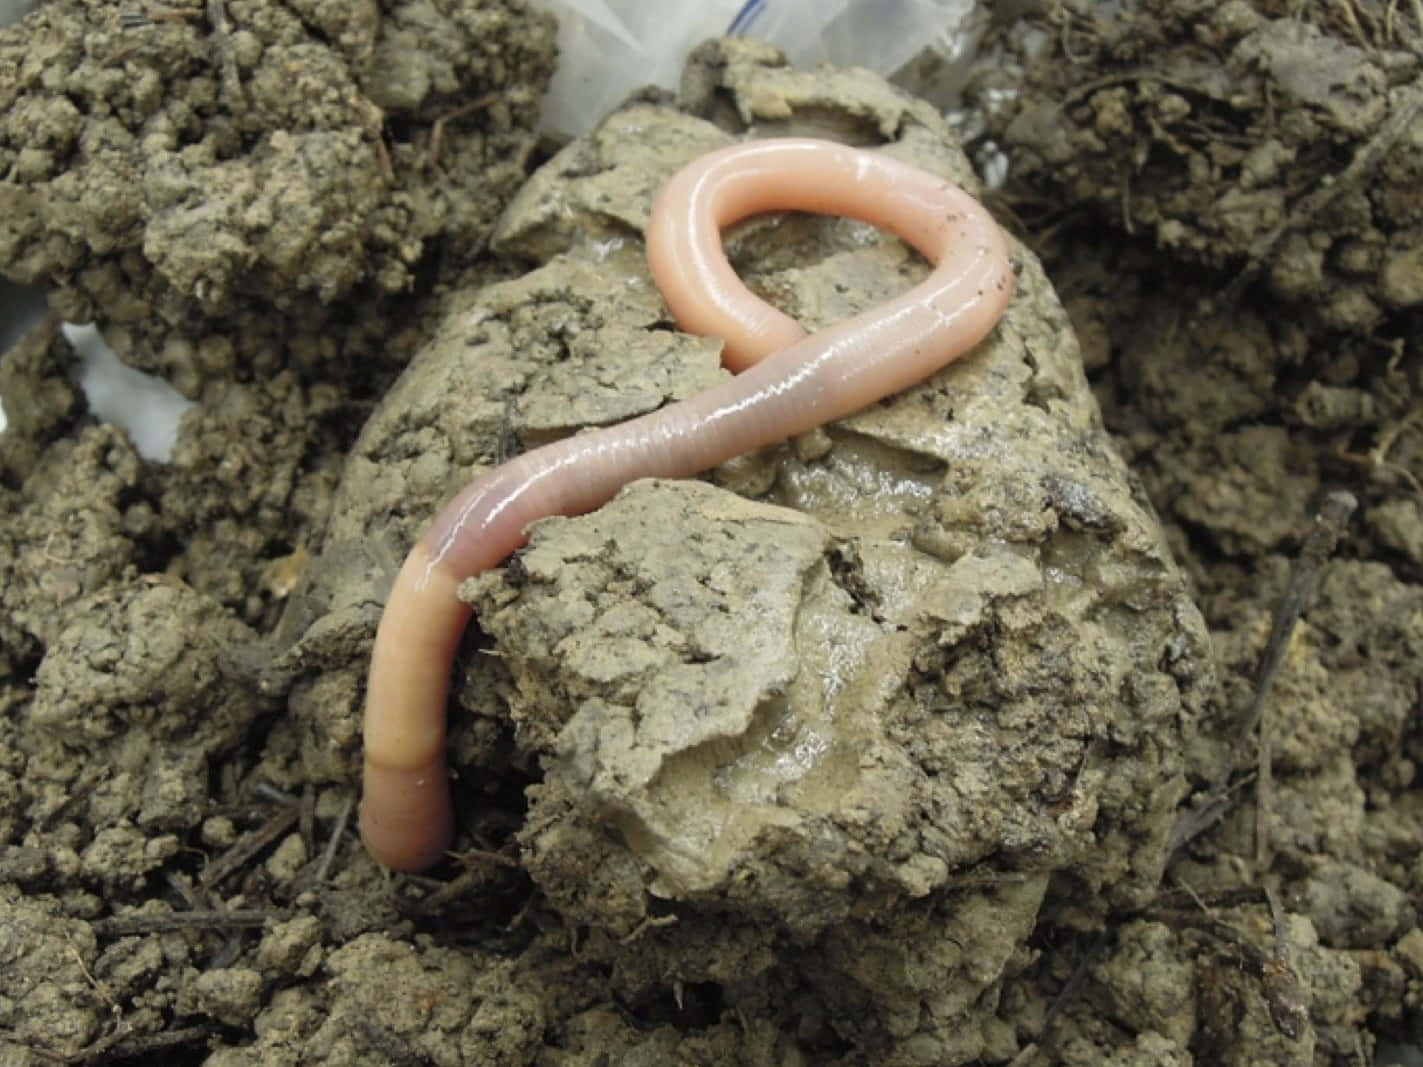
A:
<point x="788" y="382"/>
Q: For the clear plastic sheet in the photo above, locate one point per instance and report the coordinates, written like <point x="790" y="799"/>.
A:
<point x="608" y="48"/>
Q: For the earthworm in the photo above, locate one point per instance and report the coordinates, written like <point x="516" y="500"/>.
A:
<point x="788" y="382"/>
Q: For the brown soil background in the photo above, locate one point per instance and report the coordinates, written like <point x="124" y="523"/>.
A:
<point x="276" y="206"/>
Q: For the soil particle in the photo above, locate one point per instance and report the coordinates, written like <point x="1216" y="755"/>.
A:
<point x="230" y="994"/>
<point x="134" y="703"/>
<point x="50" y="999"/>
<point x="292" y="948"/>
<point x="1280" y="152"/>
<point x="454" y="1007"/>
<point x="248" y="488"/>
<point x="1146" y="985"/>
<point x="41" y="403"/>
<point x="271" y="186"/>
<point x="1352" y="908"/>
<point x="65" y="532"/>
<point x="244" y="189"/>
<point x="1267" y="144"/>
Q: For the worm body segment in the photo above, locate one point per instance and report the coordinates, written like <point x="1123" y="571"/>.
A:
<point x="787" y="383"/>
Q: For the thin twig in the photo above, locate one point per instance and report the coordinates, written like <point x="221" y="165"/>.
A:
<point x="1283" y="993"/>
<point x="267" y="791"/>
<point x="651" y="922"/>
<point x="476" y="862"/>
<point x="248" y="846"/>
<point x="179" y="884"/>
<point x="306" y="817"/>
<point x="1065" y="996"/>
<point x="328" y="857"/>
<point x="168" y="922"/>
<point x="1279" y="987"/>
<point x="1330" y="188"/>
<point x="1300" y="591"/>
<point x="122" y="1043"/>
<point x="437" y="130"/>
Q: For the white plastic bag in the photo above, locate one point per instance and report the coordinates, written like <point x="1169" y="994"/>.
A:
<point x="608" y="48"/>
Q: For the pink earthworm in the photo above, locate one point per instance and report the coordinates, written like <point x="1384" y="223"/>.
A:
<point x="789" y="382"/>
